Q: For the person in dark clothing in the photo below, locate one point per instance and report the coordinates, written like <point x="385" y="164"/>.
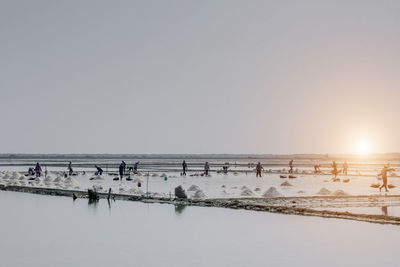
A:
<point x="334" y="166"/>
<point x="135" y="167"/>
<point x="38" y="169"/>
<point x="99" y="170"/>
<point x="121" y="170"/>
<point x="70" y="171"/>
<point x="291" y="166"/>
<point x="345" y="166"/>
<point x="184" y="166"/>
<point x="384" y="172"/>
<point x="206" y="168"/>
<point x="259" y="167"/>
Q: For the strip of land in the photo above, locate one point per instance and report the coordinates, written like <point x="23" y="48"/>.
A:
<point x="306" y="206"/>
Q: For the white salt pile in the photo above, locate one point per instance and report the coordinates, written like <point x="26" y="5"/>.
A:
<point x="154" y="175"/>
<point x="300" y="192"/>
<point x="340" y="193"/>
<point x="286" y="183"/>
<point x="257" y="189"/>
<point x="6" y="176"/>
<point x="199" y="194"/>
<point x="22" y="178"/>
<point x="247" y="193"/>
<point x="244" y="187"/>
<point x="71" y="182"/>
<point x="48" y="180"/>
<point x="324" y="192"/>
<point x="59" y="179"/>
<point x="272" y="192"/>
<point x="194" y="188"/>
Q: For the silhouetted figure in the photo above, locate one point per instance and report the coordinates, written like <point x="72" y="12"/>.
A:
<point x="317" y="169"/>
<point x="38" y="169"/>
<point x="70" y="171"/>
<point x="121" y="170"/>
<point x="206" y="168"/>
<point x="345" y="167"/>
<point x="99" y="170"/>
<point x="384" y="172"/>
<point x="184" y="166"/>
<point x="334" y="171"/>
<point x="291" y="166"/>
<point x="135" y="167"/>
<point x="259" y="167"/>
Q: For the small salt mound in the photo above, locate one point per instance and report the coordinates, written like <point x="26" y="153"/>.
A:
<point x="272" y="192"/>
<point x="235" y="173"/>
<point x="247" y="192"/>
<point x="340" y="193"/>
<point x="257" y="189"/>
<point x="38" y="180"/>
<point x="14" y="176"/>
<point x="300" y="192"/>
<point x="154" y="175"/>
<point x="324" y="192"/>
<point x="48" y="179"/>
<point x="286" y="183"/>
<point x="6" y="176"/>
<point x="59" y="179"/>
<point x="69" y="181"/>
<point x="244" y="187"/>
<point x="194" y="188"/>
<point x="163" y="175"/>
<point x="97" y="177"/>
<point x="199" y="194"/>
<point x="225" y="192"/>
<point x="22" y="178"/>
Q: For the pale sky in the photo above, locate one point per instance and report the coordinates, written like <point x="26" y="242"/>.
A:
<point x="199" y="76"/>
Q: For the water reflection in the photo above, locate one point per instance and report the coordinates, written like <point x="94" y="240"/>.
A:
<point x="179" y="208"/>
<point x="385" y="210"/>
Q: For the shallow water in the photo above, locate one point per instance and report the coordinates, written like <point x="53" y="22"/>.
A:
<point x="57" y="231"/>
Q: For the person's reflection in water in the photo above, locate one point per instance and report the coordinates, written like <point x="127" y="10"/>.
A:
<point x="92" y="204"/>
<point x="385" y="210"/>
<point x="179" y="208"/>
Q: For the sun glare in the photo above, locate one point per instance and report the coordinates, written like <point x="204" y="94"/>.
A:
<point x="363" y="147"/>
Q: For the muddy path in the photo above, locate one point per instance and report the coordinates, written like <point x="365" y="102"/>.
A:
<point x="305" y="206"/>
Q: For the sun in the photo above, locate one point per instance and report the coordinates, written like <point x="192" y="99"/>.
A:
<point x="363" y="147"/>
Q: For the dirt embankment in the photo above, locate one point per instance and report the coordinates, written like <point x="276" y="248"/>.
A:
<point x="306" y="206"/>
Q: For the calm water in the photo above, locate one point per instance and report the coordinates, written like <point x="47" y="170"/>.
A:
<point x="56" y="231"/>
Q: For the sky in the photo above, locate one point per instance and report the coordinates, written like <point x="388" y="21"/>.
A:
<point x="273" y="77"/>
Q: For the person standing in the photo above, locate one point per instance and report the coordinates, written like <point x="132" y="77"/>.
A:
<point x="135" y="167"/>
<point x="184" y="166"/>
<point x="345" y="167"/>
<point x="70" y="171"/>
<point x="206" y="168"/>
<point x="384" y="172"/>
<point x="38" y="169"/>
<point x="291" y="166"/>
<point x="334" y="166"/>
<point x="121" y="170"/>
<point x="259" y="167"/>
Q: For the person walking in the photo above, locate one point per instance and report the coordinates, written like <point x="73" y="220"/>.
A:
<point x="291" y="166"/>
<point x="259" y="167"/>
<point x="206" y="168"/>
<point x="38" y="169"/>
<point x="184" y="166"/>
<point x="383" y="174"/>
<point x="345" y="167"/>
